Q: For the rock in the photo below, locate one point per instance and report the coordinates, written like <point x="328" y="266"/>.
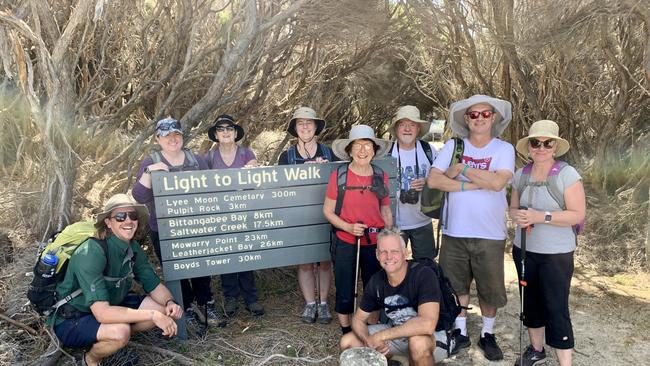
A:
<point x="362" y="356"/>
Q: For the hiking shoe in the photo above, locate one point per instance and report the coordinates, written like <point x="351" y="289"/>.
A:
<point x="213" y="316"/>
<point x="255" y="308"/>
<point x="490" y="348"/>
<point x="532" y="357"/>
<point x="309" y="313"/>
<point x="461" y="341"/>
<point x="324" y="316"/>
<point x="124" y="357"/>
<point x="190" y="317"/>
<point x="230" y="306"/>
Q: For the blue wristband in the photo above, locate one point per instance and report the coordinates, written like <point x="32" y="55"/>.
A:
<point x="462" y="186"/>
<point x="464" y="169"/>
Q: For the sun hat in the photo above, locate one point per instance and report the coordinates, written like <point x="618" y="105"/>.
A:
<point x="122" y="200"/>
<point x="307" y="113"/>
<point x="544" y="128"/>
<point x="227" y="120"/>
<point x="411" y="113"/>
<point x="359" y="132"/>
<point x="502" y="111"/>
<point x="168" y="125"/>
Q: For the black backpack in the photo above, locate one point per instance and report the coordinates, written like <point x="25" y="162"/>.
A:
<point x="292" y="153"/>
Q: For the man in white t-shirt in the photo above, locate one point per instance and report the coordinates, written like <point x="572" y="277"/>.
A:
<point x="414" y="158"/>
<point x="474" y="230"/>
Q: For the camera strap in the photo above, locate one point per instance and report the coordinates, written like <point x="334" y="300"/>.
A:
<point x="399" y="163"/>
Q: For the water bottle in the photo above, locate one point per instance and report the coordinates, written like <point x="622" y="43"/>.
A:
<point x="47" y="265"/>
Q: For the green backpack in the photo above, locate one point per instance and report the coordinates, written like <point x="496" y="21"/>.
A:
<point x="42" y="290"/>
<point x="432" y="200"/>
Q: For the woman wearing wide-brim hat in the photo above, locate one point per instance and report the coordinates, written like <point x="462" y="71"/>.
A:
<point x="173" y="157"/>
<point x="97" y="282"/>
<point x="305" y="126"/>
<point x="553" y="222"/>
<point x="364" y="211"/>
<point x="229" y="154"/>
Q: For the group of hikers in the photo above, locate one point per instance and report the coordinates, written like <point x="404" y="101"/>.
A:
<point x="369" y="239"/>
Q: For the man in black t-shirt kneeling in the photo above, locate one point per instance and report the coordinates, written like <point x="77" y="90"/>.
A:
<point x="409" y="296"/>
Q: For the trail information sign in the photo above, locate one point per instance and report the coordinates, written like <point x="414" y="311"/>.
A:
<point x="231" y="220"/>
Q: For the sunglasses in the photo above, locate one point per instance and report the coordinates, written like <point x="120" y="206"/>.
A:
<point x="536" y="144"/>
<point x="168" y="125"/>
<point x="476" y="114"/>
<point x="121" y="216"/>
<point x="225" y="128"/>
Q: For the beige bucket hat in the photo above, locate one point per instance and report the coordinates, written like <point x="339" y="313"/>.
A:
<point x="544" y="128"/>
<point x="307" y="113"/>
<point x="411" y="113"/>
<point x="359" y="132"/>
<point x="502" y="111"/>
<point x="122" y="200"/>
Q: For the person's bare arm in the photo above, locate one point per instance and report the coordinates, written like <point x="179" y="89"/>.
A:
<point x="438" y="180"/>
<point x="423" y="324"/>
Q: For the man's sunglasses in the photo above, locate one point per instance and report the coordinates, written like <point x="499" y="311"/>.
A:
<point x="225" y="128"/>
<point x="536" y="144"/>
<point x="121" y="216"/>
<point x="476" y="114"/>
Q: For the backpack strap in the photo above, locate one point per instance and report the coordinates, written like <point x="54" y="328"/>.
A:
<point x="427" y="150"/>
<point x="327" y="153"/>
<point x="190" y="160"/>
<point x="210" y="158"/>
<point x="553" y="181"/>
<point x="291" y="155"/>
<point x="156" y="156"/>
<point x="341" y="183"/>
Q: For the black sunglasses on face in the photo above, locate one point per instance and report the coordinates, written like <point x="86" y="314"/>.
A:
<point x="225" y="128"/>
<point x="121" y="216"/>
<point x="536" y="144"/>
<point x="476" y="114"/>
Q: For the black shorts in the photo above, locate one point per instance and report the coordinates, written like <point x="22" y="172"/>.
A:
<point x="80" y="330"/>
<point x="546" y="296"/>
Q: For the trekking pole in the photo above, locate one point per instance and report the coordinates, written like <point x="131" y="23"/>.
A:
<point x="522" y="287"/>
<point x="318" y="282"/>
<point x="356" y="271"/>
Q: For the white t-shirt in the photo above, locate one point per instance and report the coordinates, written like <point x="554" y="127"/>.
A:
<point x="477" y="213"/>
<point x="409" y="216"/>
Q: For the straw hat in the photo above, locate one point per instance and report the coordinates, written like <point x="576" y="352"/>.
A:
<point x="411" y="113"/>
<point x="359" y="132"/>
<point x="544" y="128"/>
<point x="227" y="120"/>
<point x="307" y="113"/>
<point x="122" y="200"/>
<point x="502" y="111"/>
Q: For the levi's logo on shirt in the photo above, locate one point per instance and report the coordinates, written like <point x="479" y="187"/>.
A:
<point x="482" y="164"/>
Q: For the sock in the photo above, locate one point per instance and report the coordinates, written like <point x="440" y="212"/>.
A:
<point x="346" y="330"/>
<point x="461" y="323"/>
<point x="488" y="325"/>
<point x="323" y="302"/>
<point x="311" y="303"/>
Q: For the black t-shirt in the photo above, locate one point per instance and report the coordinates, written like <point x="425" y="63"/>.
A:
<point x="284" y="156"/>
<point x="401" y="303"/>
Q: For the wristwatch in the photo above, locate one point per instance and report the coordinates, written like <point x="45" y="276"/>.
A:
<point x="147" y="170"/>
<point x="547" y="217"/>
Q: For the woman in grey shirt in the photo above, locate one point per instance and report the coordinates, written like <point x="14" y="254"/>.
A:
<point x="554" y="196"/>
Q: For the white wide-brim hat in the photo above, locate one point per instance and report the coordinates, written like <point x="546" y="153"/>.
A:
<point x="356" y="133"/>
<point x="502" y="111"/>
<point x="411" y="113"/>
<point x="544" y="128"/>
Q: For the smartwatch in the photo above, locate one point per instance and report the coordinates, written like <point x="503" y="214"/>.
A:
<point x="547" y="217"/>
<point x="147" y="170"/>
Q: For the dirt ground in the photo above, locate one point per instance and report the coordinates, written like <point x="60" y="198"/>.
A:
<point x="610" y="317"/>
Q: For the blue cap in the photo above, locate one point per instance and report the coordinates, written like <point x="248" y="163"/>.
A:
<point x="51" y="259"/>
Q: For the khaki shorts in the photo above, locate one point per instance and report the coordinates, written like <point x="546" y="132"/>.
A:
<point x="467" y="259"/>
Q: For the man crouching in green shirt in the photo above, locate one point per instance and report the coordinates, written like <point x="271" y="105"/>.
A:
<point x="104" y="314"/>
